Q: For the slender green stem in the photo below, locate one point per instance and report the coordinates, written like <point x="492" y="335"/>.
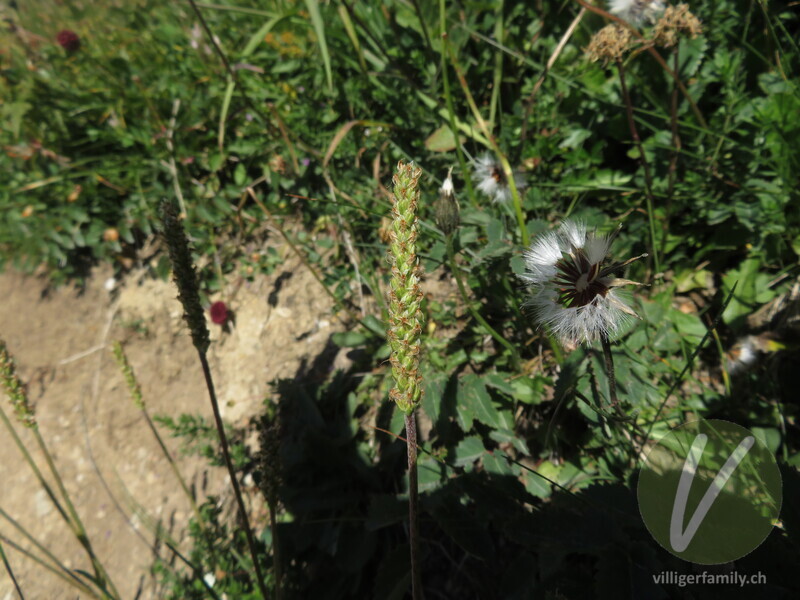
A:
<point x="676" y="149"/>
<point x="423" y="25"/>
<point x="451" y="111"/>
<point x="507" y="170"/>
<point x="673" y="118"/>
<point x="80" y="531"/>
<point x="174" y="467"/>
<point x="10" y="572"/>
<point x="475" y="314"/>
<point x="237" y="492"/>
<point x="56" y="567"/>
<point x="612" y="378"/>
<point x="648" y="181"/>
<point x="499" y="30"/>
<point x="413" y="505"/>
<point x="34" y="467"/>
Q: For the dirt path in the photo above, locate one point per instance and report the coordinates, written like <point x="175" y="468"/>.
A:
<point x="61" y="341"/>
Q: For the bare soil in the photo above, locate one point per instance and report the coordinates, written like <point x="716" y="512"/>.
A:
<point x="109" y="460"/>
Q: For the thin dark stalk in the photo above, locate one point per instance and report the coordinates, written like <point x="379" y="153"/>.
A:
<point x="648" y="181"/>
<point x="277" y="566"/>
<point x="475" y="314"/>
<point x="10" y="572"/>
<point x="237" y="492"/>
<point x="423" y="25"/>
<point x="413" y="503"/>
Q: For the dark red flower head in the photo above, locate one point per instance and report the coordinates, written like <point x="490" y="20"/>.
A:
<point x="219" y="313"/>
<point x="68" y="40"/>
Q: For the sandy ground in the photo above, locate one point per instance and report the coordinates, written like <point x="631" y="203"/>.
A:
<point x="62" y="343"/>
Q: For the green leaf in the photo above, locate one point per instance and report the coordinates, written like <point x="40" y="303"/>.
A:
<point x="441" y="140"/>
<point x="474" y="399"/>
<point x="319" y="29"/>
<point x="469" y="450"/>
<point x="349" y="339"/>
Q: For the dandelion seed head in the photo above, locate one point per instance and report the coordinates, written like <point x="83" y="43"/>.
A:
<point x="572" y="284"/>
<point x="492" y="181"/>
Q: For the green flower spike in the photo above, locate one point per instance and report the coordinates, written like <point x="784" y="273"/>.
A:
<point x="15" y="389"/>
<point x="405" y="298"/>
<point x="130" y="377"/>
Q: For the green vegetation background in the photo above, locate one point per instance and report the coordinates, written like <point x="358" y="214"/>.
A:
<point x="311" y="107"/>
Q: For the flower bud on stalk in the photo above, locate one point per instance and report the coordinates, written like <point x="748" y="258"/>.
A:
<point x="446" y="209"/>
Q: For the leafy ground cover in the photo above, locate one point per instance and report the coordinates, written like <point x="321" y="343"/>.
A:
<point x="287" y="119"/>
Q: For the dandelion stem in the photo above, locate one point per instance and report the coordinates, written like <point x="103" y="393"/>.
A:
<point x="237" y="492"/>
<point x="507" y="170"/>
<point x="451" y="111"/>
<point x="648" y="181"/>
<point x="475" y="314"/>
<point x="612" y="378"/>
<point x="413" y="500"/>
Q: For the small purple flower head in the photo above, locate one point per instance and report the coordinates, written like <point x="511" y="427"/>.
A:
<point x="219" y="313"/>
<point x="68" y="40"/>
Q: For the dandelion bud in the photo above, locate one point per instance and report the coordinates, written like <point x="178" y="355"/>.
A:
<point x="446" y="209"/>
<point x="16" y="390"/>
<point x="609" y="44"/>
<point x="572" y="283"/>
<point x="676" y="21"/>
<point x="130" y="376"/>
<point x="405" y="298"/>
<point x="184" y="275"/>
